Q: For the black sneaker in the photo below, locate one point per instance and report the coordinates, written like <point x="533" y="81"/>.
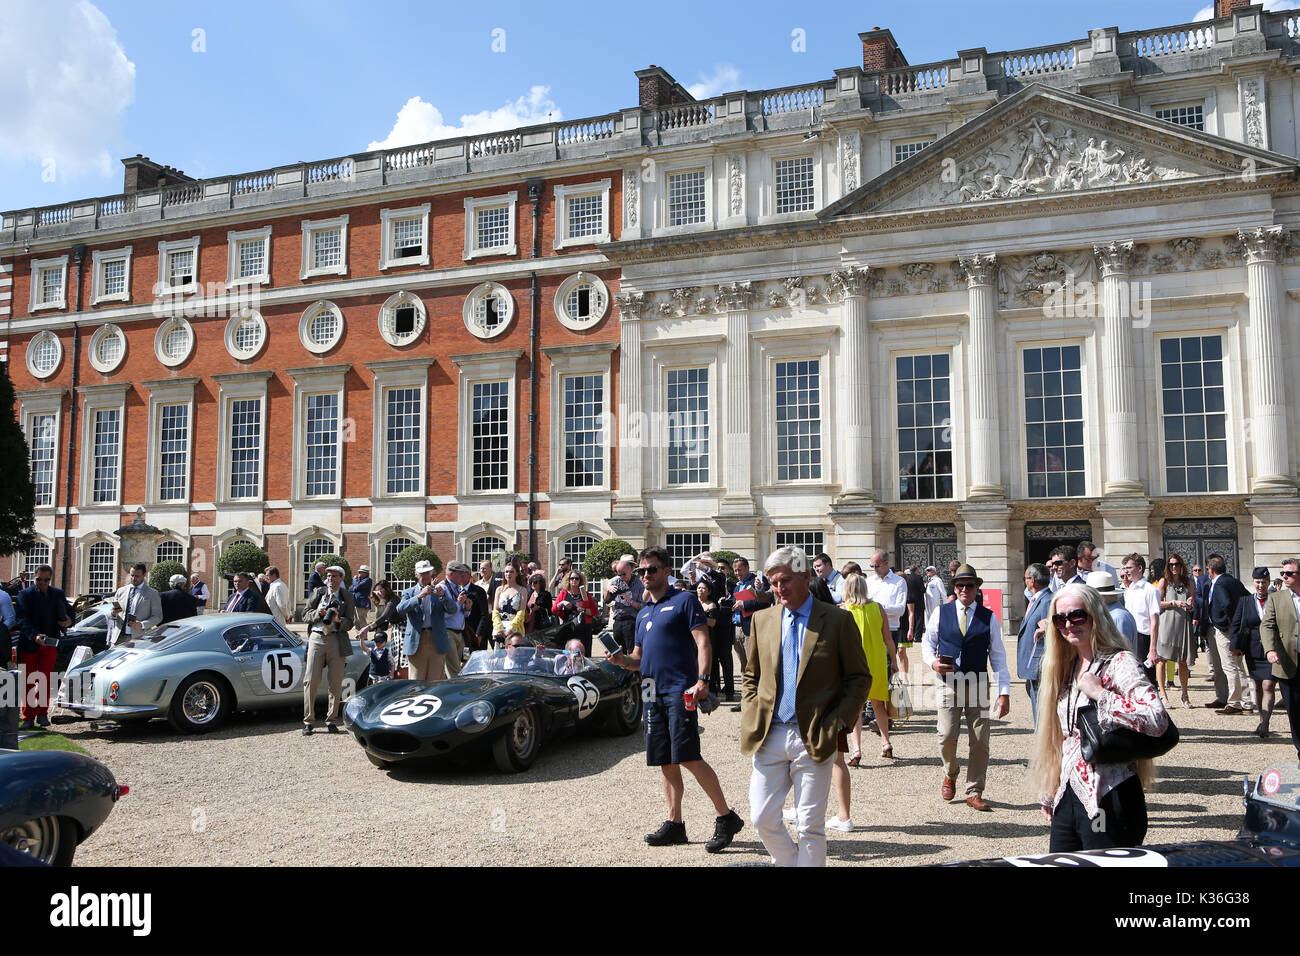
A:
<point x="670" y="834"/>
<point x="331" y="728"/>
<point x="306" y="731"/>
<point x="724" y="828"/>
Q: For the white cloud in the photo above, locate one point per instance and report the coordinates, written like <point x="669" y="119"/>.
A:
<point x="1207" y="12"/>
<point x="420" y="122"/>
<point x="725" y="78"/>
<point x="66" y="82"/>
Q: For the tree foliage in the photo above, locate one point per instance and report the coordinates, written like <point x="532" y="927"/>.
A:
<point x="160" y="575"/>
<point x="596" y="565"/>
<point x="18" y="494"/>
<point x="406" y="560"/>
<point x="243" y="556"/>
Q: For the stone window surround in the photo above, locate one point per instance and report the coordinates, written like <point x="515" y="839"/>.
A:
<point x="767" y="202"/>
<point x="566" y="361"/>
<point x="304" y="326"/>
<point x="160" y="338"/>
<point x="169" y="391"/>
<point x="32" y="349"/>
<point x="472" y="207"/>
<point x="95" y="398"/>
<point x="704" y="165"/>
<point x="563" y="193"/>
<point x="39" y="266"/>
<point x="387" y="217"/>
<point x="233" y="240"/>
<point x="165" y="249"/>
<point x="92" y="348"/>
<point x="233" y="387"/>
<point x="701" y="352"/>
<point x="473" y="369"/>
<point x="561" y="307"/>
<point x="311" y="226"/>
<point x="393" y="302"/>
<point x="315" y="381"/>
<point x="234" y="323"/>
<point x="44" y="401"/>
<point x="794" y="350"/>
<point x="100" y="258"/>
<point x="388" y="375"/>
<point x="471" y="302"/>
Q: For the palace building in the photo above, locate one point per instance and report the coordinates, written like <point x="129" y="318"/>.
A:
<point x="976" y="307"/>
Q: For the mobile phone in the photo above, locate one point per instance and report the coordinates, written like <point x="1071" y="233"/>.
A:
<point x="945" y="659"/>
<point x="607" y="641"/>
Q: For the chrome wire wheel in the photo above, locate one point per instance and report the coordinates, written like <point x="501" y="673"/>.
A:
<point x="523" y="736"/>
<point x="201" y="702"/>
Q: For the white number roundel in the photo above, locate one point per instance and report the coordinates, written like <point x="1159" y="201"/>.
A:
<point x="281" y="671"/>
<point x="407" y="710"/>
<point x="587" y="693"/>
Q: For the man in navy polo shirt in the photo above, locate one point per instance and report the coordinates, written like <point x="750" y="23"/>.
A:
<point x="673" y="653"/>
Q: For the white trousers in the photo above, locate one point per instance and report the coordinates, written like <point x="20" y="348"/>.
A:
<point x="782" y="762"/>
<point x="1241" y="689"/>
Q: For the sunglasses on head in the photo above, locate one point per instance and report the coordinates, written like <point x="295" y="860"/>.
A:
<point x="1077" y="616"/>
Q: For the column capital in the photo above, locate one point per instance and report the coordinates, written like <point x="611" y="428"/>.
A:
<point x="632" y="305"/>
<point x="1114" y="258"/>
<point x="849" y="282"/>
<point x="736" y="296"/>
<point x="980" y="269"/>
<point x="1263" y="243"/>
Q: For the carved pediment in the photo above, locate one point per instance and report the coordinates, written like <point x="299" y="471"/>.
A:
<point x="1044" y="143"/>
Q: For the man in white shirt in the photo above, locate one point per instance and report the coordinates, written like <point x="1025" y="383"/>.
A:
<point x="962" y="639"/>
<point x="277" y="597"/>
<point x="825" y="570"/>
<point x="887" y="589"/>
<point x="1142" y="601"/>
<point x="1089" y="560"/>
<point x="935" y="592"/>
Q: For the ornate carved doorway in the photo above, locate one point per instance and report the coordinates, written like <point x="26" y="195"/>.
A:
<point x="923" y="545"/>
<point x="1196" y="539"/>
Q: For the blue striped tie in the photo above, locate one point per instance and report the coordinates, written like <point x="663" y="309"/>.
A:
<point x="789" y="669"/>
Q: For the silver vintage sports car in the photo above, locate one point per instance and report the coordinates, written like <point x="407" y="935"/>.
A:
<point x="199" y="670"/>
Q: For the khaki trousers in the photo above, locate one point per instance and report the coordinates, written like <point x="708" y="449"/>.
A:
<point x="456" y="658"/>
<point x="322" y="655"/>
<point x="427" y="661"/>
<point x="1241" y="689"/>
<point x="741" y="643"/>
<point x="362" y="617"/>
<point x="965" y="696"/>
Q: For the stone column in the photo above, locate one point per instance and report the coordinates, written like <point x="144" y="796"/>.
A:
<point x="1118" y="371"/>
<point x="1267" y="419"/>
<point x="628" y="517"/>
<point x="855" y="420"/>
<point x="982" y="379"/>
<point x="737" y="388"/>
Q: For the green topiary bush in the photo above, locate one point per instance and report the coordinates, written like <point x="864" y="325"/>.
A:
<point x="596" y="565"/>
<point x="406" y="560"/>
<point x="333" y="559"/>
<point x="724" y="559"/>
<point x="162" y="571"/>
<point x="242" y="556"/>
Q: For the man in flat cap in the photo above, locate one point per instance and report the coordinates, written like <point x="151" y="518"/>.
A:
<point x="961" y="639"/>
<point x="330" y="616"/>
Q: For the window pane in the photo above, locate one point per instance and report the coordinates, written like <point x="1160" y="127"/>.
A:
<point x="252" y="257"/>
<point x="686" y="198"/>
<point x="322" y="444"/>
<point x="312" y="551"/>
<point x="326" y="248"/>
<point x="798" y="420"/>
<point x="107" y="440"/>
<point x="682" y="546"/>
<point x="101" y="579"/>
<point x="483" y="549"/>
<point x="493" y="227"/>
<point x="173" y="451"/>
<point x="924" y="425"/>
<point x="402" y="441"/>
<point x="1054" y="424"/>
<point x="794" y="184"/>
<point x="688" y="426"/>
<point x="1192" y="370"/>
<point x="392" y="548"/>
<point x="245" y="448"/>
<point x="584" y="441"/>
<point x="813" y="542"/>
<point x="586" y="215"/>
<point x="490" y="436"/>
<point x="41" y="443"/>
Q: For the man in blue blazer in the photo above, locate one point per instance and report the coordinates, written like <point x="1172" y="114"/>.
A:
<point x="1029" y="644"/>
<point x="246" y="598"/>
<point x="426" y="643"/>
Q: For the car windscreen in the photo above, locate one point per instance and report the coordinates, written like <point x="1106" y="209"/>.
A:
<point x="508" y="660"/>
<point x="161" y="638"/>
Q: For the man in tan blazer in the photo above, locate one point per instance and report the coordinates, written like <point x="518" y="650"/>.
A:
<point x="805" y="682"/>
<point x="1279" y="632"/>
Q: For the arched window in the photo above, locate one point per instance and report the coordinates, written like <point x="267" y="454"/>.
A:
<point x="311" y="553"/>
<point x="100" y="578"/>
<point x="171" y="551"/>
<point x="392" y="548"/>
<point x="483" y="548"/>
<point x="576" y="548"/>
<point x="34" y="557"/>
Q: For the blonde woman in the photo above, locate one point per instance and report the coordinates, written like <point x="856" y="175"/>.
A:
<point x="878" y="644"/>
<point x="1087" y="661"/>
<point x="509" y="606"/>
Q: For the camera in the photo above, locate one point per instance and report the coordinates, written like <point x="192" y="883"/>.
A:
<point x="331" y="606"/>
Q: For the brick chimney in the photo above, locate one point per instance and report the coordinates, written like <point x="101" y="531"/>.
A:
<point x="880" y="51"/>
<point x="143" y="173"/>
<point x="656" y="87"/>
<point x="1224" y="8"/>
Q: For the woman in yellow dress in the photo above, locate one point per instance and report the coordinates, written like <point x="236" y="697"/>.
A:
<point x="878" y="644"/>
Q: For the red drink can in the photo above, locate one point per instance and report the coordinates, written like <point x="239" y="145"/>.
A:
<point x="689" y="697"/>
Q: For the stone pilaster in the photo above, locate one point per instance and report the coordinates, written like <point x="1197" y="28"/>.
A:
<point x="855" y="408"/>
<point x="737" y="444"/>
<point x="1267" y="421"/>
<point x="981" y="378"/>
<point x="1126" y="529"/>
<point x="628" y="515"/>
<point x="987" y="548"/>
<point x="1119" y="384"/>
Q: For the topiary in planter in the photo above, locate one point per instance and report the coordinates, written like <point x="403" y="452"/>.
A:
<point x="243" y="556"/>
<point x="162" y="572"/>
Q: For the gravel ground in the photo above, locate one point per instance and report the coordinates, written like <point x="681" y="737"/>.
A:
<point x="258" y="793"/>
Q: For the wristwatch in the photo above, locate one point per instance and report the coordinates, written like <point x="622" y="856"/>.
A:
<point x="705" y="678"/>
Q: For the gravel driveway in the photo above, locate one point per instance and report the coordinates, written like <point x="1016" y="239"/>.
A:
<point x="258" y="793"/>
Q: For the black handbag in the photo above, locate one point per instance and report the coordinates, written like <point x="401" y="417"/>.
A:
<point x="1120" y="745"/>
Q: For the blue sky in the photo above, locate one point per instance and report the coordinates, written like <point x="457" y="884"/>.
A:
<point x="220" y="88"/>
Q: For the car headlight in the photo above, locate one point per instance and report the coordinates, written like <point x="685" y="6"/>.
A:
<point x="475" y="717"/>
<point x="353" y="708"/>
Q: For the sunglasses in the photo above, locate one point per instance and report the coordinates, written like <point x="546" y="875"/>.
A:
<point x="1175" y="564"/>
<point x="47" y="580"/>
<point x="1055" y="564"/>
<point x="1285" y="574"/>
<point x="642" y="572"/>
<point x="1075" y="617"/>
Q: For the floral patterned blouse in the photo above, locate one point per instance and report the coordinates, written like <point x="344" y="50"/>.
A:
<point x="1128" y="700"/>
